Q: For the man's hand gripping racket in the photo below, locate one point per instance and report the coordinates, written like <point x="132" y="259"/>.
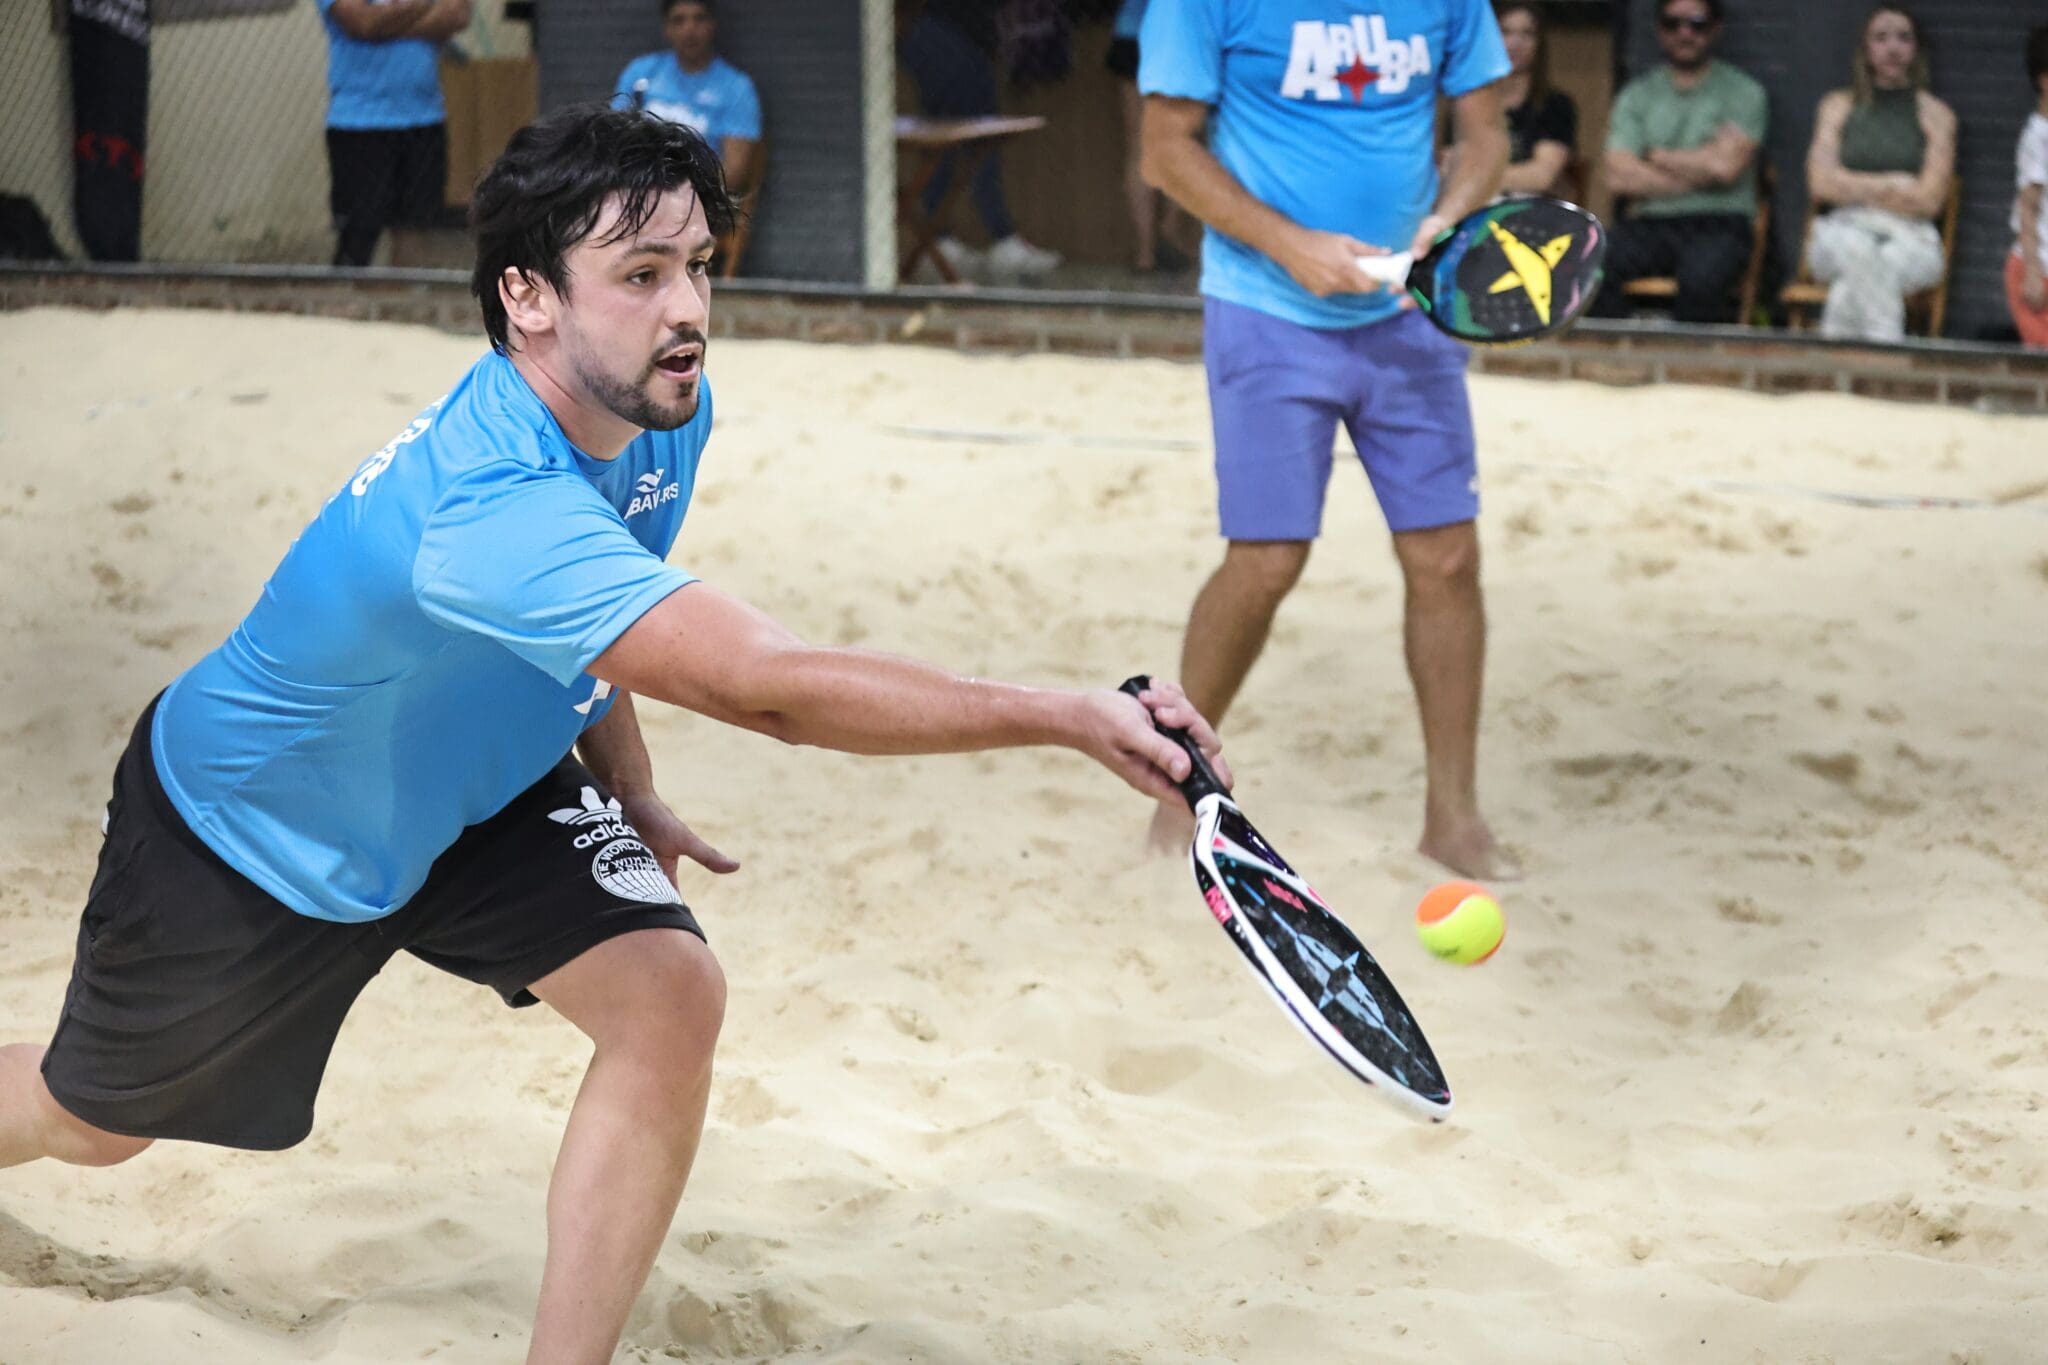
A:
<point x="1315" y="967"/>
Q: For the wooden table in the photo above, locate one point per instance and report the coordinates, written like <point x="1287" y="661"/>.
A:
<point x="926" y="143"/>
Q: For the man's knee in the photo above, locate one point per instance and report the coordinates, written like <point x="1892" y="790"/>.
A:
<point x="672" y="1004"/>
<point x="1442" y="559"/>
<point x="1267" y="569"/>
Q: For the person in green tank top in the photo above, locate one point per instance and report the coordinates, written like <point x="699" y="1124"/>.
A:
<point x="1883" y="156"/>
<point x="1682" y="145"/>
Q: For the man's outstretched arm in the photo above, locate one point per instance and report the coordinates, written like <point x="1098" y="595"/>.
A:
<point x="709" y="652"/>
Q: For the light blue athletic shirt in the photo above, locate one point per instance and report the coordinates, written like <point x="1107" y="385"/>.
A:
<point x="718" y="101"/>
<point x="1130" y="16"/>
<point x="1326" y="111"/>
<point x="396" y="84"/>
<point x="417" y="659"/>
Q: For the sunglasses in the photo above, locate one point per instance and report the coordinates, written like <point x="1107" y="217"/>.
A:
<point x="1675" y="23"/>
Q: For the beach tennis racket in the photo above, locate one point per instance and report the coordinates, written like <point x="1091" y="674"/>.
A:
<point x="1315" y="967"/>
<point x="1511" y="272"/>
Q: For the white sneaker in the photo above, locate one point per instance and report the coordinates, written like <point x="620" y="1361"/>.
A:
<point x="967" y="263"/>
<point x="1014" y="258"/>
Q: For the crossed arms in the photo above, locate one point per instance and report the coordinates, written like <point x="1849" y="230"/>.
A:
<point x="433" y="20"/>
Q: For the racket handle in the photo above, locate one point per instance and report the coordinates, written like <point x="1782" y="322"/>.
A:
<point x="1391" y="271"/>
<point x="1201" y="779"/>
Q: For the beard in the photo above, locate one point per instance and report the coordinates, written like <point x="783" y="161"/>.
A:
<point x="632" y="401"/>
<point x="1692" y="60"/>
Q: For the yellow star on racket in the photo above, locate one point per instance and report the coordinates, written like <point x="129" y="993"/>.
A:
<point x="1529" y="267"/>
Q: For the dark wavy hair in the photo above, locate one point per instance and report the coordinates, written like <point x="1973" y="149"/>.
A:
<point x="544" y="195"/>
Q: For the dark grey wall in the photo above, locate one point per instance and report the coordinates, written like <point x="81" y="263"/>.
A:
<point x="1800" y="50"/>
<point x="804" y="57"/>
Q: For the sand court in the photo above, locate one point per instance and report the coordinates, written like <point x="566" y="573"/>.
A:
<point x="1758" y="1076"/>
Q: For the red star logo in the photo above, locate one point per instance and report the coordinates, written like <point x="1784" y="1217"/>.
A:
<point x="1356" y="77"/>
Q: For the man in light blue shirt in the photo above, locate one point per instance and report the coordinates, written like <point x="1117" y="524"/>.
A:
<point x="1301" y="132"/>
<point x="387" y="132"/>
<point x="422" y="739"/>
<point x="692" y="85"/>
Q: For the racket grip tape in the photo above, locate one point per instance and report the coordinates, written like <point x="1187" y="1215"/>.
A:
<point x="1201" y="779"/>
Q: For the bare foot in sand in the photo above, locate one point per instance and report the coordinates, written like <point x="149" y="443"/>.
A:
<point x="1173" y="829"/>
<point x="1467" y="847"/>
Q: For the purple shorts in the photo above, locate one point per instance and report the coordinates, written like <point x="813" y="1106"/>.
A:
<point x="1277" y="391"/>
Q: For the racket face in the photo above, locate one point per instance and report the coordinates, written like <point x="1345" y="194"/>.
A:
<point x="1513" y="271"/>
<point x="1316" y="968"/>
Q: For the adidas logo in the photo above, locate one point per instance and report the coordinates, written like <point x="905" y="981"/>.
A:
<point x="601" y="820"/>
<point x="650" y="493"/>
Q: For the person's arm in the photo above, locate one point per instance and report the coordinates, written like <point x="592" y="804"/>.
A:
<point x="2033" y="288"/>
<point x="736" y="154"/>
<point x="1173" y="158"/>
<point x="708" y="652"/>
<point x="1719" y="161"/>
<point x="370" y="23"/>
<point x="617" y="757"/>
<point x="1926" y="194"/>
<point x="1546" y="163"/>
<point x="1482" y="136"/>
<point x="1638" y="178"/>
<point x="1628" y="172"/>
<point x="442" y="21"/>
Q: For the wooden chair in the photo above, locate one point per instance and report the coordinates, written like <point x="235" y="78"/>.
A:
<point x="732" y="247"/>
<point x="1804" y="297"/>
<point x="1663" y="289"/>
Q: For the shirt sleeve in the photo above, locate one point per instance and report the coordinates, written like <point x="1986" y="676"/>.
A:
<point x="1625" y="132"/>
<point x="1477" y="56"/>
<point x="539" y="562"/>
<point x="1749" y="109"/>
<point x="1180" y="50"/>
<point x="743" y="119"/>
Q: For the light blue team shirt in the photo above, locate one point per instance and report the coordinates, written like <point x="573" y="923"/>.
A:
<point x="718" y="102"/>
<point x="1325" y="111"/>
<point x="1130" y="16"/>
<point x="396" y="84"/>
<point x="418" y="658"/>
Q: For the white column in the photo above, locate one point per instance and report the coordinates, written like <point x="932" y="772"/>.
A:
<point x="878" y="137"/>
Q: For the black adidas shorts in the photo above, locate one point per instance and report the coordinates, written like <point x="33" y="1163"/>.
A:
<point x="203" y="1009"/>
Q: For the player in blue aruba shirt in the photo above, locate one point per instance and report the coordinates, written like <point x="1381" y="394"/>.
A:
<point x="1301" y="132"/>
<point x="378" y="758"/>
<point x="692" y="85"/>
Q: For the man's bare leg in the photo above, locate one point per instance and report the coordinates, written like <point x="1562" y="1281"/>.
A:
<point x="33" y="1124"/>
<point x="1227" y="629"/>
<point x="1444" y="630"/>
<point x="652" y="1002"/>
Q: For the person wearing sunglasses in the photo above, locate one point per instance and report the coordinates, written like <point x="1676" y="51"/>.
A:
<point x="1682" y="146"/>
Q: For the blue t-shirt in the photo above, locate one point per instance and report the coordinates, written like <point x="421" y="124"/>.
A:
<point x="1325" y="113"/>
<point x="394" y="84"/>
<point x="718" y="101"/>
<point x="1130" y="16"/>
<point x="417" y="659"/>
